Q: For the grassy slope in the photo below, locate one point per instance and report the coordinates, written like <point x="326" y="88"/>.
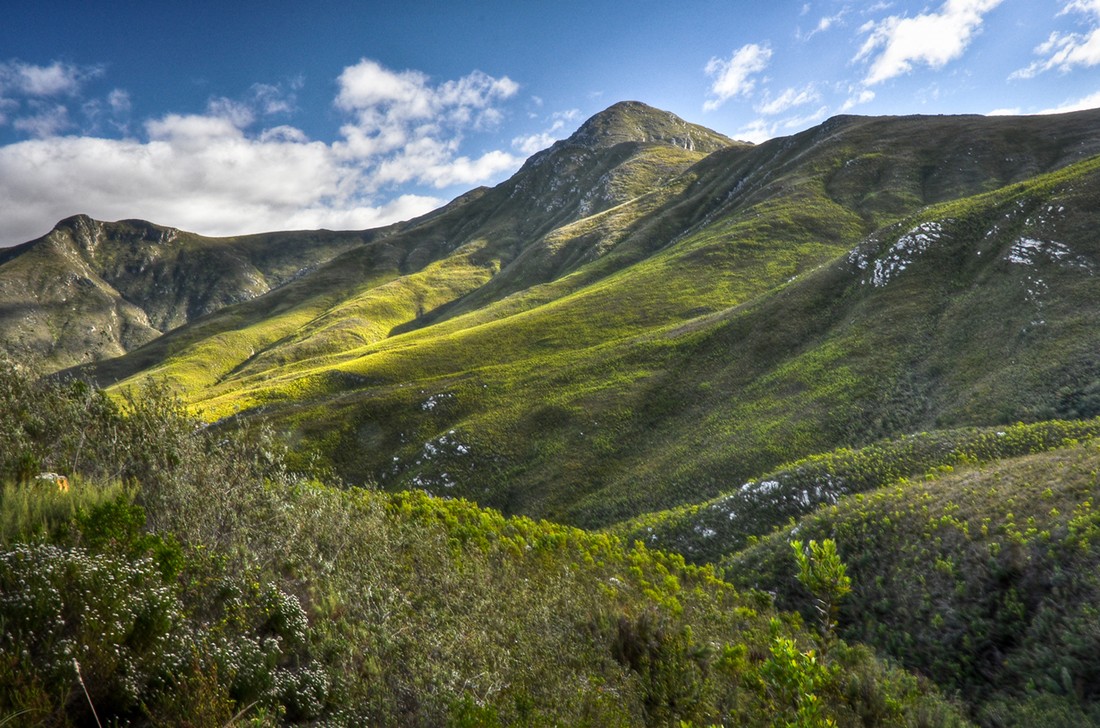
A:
<point x="89" y="291"/>
<point x="984" y="579"/>
<point x="710" y="338"/>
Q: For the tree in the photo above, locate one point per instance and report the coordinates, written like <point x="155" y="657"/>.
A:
<point x="824" y="575"/>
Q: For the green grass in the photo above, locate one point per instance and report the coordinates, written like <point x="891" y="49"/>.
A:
<point x="664" y="349"/>
<point x="219" y="587"/>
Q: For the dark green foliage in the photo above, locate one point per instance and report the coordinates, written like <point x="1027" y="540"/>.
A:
<point x="306" y="603"/>
<point x="623" y="326"/>
<point x="983" y="579"/>
<point x="824" y="575"/>
<point x="627" y="325"/>
<point x="706" y="532"/>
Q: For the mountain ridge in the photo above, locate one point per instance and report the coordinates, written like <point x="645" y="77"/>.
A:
<point x="615" y="307"/>
<point x="881" y="332"/>
<point x="662" y="288"/>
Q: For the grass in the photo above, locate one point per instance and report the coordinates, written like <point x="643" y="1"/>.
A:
<point x="39" y="511"/>
<point x="219" y="585"/>
<point x="666" y="348"/>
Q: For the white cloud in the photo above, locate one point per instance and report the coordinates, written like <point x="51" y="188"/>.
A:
<point x="789" y="99"/>
<point x="7" y="106"/>
<point x="119" y="101"/>
<point x="762" y="128"/>
<point x="217" y="174"/>
<point x="57" y="79"/>
<point x="1008" y="111"/>
<point x="757" y="131"/>
<point x="409" y="130"/>
<point x="47" y="121"/>
<point x="865" y="96"/>
<point x="800" y="122"/>
<point x="466" y="171"/>
<point x="529" y="144"/>
<point x="360" y="217"/>
<point x="1065" y="51"/>
<point x="824" y="23"/>
<point x="734" y="77"/>
<point x="28" y="94"/>
<point x="895" y="44"/>
<point x="381" y="97"/>
<point x="1092" y="101"/>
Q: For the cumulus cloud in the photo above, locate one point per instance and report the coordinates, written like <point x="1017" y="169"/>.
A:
<point x="222" y="172"/>
<point x="735" y="77"/>
<point x="864" y="96"/>
<point x="33" y="97"/>
<point x="896" y="44"/>
<point x="119" y="101"/>
<point x="410" y="130"/>
<point x="757" y="131"/>
<point x="1092" y="101"/>
<point x="824" y="23"/>
<point x="382" y="98"/>
<point x="57" y="79"/>
<point x="46" y="120"/>
<point x="1066" y="51"/>
<point x="761" y="129"/>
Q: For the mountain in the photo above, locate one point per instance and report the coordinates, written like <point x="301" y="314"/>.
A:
<point x="880" y="331"/>
<point x="648" y="314"/>
<point x="90" y="290"/>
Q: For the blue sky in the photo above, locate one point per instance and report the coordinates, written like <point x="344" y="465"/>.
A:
<point x="225" y="118"/>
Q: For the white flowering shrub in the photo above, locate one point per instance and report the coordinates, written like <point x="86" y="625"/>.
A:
<point x="71" y="620"/>
<point x="114" y="621"/>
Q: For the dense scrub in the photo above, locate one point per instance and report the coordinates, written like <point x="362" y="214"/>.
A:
<point x="187" y="579"/>
<point x="706" y="532"/>
<point x="984" y="579"/>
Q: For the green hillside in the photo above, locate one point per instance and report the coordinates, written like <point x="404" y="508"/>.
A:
<point x="880" y="331"/>
<point x="709" y="531"/>
<point x="983" y="579"/>
<point x="592" y="363"/>
<point x="89" y="291"/>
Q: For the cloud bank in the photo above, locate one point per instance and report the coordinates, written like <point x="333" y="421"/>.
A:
<point x="231" y="169"/>
<point x="1066" y="51"/>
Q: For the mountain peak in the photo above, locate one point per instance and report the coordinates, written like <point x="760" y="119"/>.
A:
<point x="633" y="121"/>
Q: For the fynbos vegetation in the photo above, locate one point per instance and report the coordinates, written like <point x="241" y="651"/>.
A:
<point x="187" y="578"/>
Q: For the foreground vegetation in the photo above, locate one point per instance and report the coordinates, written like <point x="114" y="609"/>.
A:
<point x="983" y="579"/>
<point x="186" y="578"/>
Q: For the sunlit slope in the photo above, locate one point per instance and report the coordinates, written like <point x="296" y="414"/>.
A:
<point x="954" y="317"/>
<point x="669" y="346"/>
<point x="409" y="276"/>
<point x="710" y="531"/>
